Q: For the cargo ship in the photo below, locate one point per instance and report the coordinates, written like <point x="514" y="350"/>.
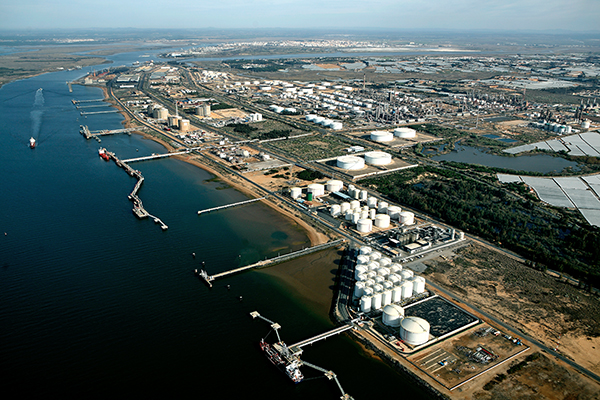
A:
<point x="102" y="154"/>
<point x="32" y="143"/>
<point x="274" y="354"/>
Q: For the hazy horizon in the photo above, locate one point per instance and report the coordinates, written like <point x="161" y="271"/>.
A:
<point x="545" y="16"/>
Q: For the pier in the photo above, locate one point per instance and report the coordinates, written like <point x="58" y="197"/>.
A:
<point x="295" y="254"/>
<point x="85" y="131"/>
<point x="83" y="113"/>
<point x="138" y="206"/>
<point x="155" y="156"/>
<point x="295" y="348"/>
<point x="231" y="205"/>
<point x="94" y="106"/>
<point x="75" y="102"/>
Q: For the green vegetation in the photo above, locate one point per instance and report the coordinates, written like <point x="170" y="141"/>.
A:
<point x="309" y="175"/>
<point x="243" y="128"/>
<point x="220" y="106"/>
<point x="557" y="238"/>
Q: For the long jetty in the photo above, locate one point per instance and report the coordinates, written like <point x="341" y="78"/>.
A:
<point x="239" y="203"/>
<point x="83" y="113"/>
<point x="85" y="101"/>
<point x="155" y="156"/>
<point x="85" y="131"/>
<point x="261" y="264"/>
<point x="138" y="206"/>
<point x="321" y="336"/>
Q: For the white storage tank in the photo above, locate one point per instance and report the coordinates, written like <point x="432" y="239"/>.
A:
<point x="418" y="285"/>
<point x="362" y="277"/>
<point x="350" y="162"/>
<point x="407" y="218"/>
<point x="362" y="259"/>
<point x="376" y="304"/>
<point x="316" y="189"/>
<point x="414" y="330"/>
<point x="364" y="250"/>
<point x="394" y="279"/>
<point x="406" y="274"/>
<point x="345" y="207"/>
<point x="365" y="303"/>
<point x="364" y="225"/>
<point x="395" y="268"/>
<point x="337" y="126"/>
<point x="383" y="271"/>
<point x="405" y="133"/>
<point x="382" y="136"/>
<point x="392" y="315"/>
<point x="336" y="210"/>
<point x="407" y="289"/>
<point x="373" y="265"/>
<point x="386" y="297"/>
<point x="372" y="213"/>
<point x="355" y="205"/>
<point x="378" y="281"/>
<point x="382" y="221"/>
<point x="375" y="255"/>
<point x="385" y="261"/>
<point x="359" y="289"/>
<point x="382" y="208"/>
<point x="334" y="185"/>
<point x="372" y="202"/>
<point x="388" y="285"/>
<point x="310" y="117"/>
<point x="348" y="214"/>
<point x="355" y="218"/>
<point x="295" y="192"/>
<point x="318" y="120"/>
<point x="369" y="283"/>
<point x="378" y="158"/>
<point x="394" y="212"/>
<point x="397" y="294"/>
<point x="359" y="270"/>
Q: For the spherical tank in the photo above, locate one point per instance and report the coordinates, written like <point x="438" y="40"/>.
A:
<point x="382" y="136"/>
<point x="365" y="303"/>
<point x="392" y="315"/>
<point x="382" y="221"/>
<point x="364" y="225"/>
<point x="407" y="218"/>
<point x="405" y="133"/>
<point x="414" y="330"/>
<point x="295" y="192"/>
<point x="378" y="158"/>
<point x="350" y="162"/>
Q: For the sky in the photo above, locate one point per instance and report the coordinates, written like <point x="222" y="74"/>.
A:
<point x="509" y="15"/>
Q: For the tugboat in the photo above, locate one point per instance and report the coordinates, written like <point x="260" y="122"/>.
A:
<point x="290" y="368"/>
<point x="32" y="143"/>
<point x="102" y="154"/>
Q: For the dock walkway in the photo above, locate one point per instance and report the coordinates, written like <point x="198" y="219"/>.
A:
<point x="209" y="278"/>
<point x="230" y="205"/>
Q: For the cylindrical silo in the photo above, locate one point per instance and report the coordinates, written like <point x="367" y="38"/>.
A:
<point x="407" y="289"/>
<point x="355" y="217"/>
<point x="359" y="289"/>
<point x="407" y="218"/>
<point x="295" y="192"/>
<point x="386" y="297"/>
<point x="383" y="272"/>
<point x="344" y="207"/>
<point x="371" y="275"/>
<point x="397" y="294"/>
<point x="378" y="281"/>
<point x="388" y="285"/>
<point x="365" y="303"/>
<point x="361" y="277"/>
<point x="395" y="268"/>
<point x="336" y="210"/>
<point x="376" y="304"/>
<point x="355" y="205"/>
<point x="382" y="221"/>
<point x="373" y="265"/>
<point x="334" y="185"/>
<point x="385" y="261"/>
<point x="372" y="202"/>
<point x="372" y="213"/>
<point x="360" y="269"/>
<point x="375" y="256"/>
<point x="382" y="208"/>
<point x="362" y="259"/>
<point x="406" y="274"/>
<point x="394" y="212"/>
<point x="418" y="285"/>
<point x="363" y="194"/>
<point x="369" y="283"/>
<point x="394" y="279"/>
<point x="364" y="225"/>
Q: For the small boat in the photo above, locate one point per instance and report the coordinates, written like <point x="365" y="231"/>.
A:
<point x="102" y="154"/>
<point x="32" y="143"/>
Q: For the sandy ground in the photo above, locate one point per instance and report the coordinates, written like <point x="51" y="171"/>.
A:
<point x="314" y="235"/>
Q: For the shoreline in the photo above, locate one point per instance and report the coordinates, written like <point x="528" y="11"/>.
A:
<point x="313" y="234"/>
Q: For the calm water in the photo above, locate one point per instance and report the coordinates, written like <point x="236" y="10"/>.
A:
<point x="537" y="163"/>
<point x="95" y="303"/>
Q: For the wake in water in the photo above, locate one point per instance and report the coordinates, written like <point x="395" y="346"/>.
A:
<point x="37" y="113"/>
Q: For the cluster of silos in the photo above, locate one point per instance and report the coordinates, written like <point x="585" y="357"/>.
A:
<point x="552" y="127"/>
<point x="380" y="281"/>
<point x="326" y="122"/>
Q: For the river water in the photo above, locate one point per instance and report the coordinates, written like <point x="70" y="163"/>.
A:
<point x="95" y="303"/>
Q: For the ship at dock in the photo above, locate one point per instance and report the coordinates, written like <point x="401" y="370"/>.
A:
<point x="277" y="355"/>
<point x="102" y="154"/>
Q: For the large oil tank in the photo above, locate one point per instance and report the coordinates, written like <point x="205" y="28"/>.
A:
<point x="336" y="210"/>
<point x="372" y="202"/>
<point x="382" y="136"/>
<point x="414" y="330"/>
<point x="394" y="212"/>
<point x="355" y="205"/>
<point x="382" y="208"/>
<point x="407" y="218"/>
<point x="382" y="221"/>
<point x="405" y="133"/>
<point x="316" y="189"/>
<point x="344" y="207"/>
<point x="363" y="195"/>
<point x="378" y="158"/>
<point x="350" y="162"/>
<point x="364" y="225"/>
<point x="334" y="185"/>
<point x="295" y="192"/>
<point x="392" y="315"/>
